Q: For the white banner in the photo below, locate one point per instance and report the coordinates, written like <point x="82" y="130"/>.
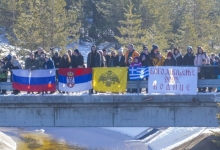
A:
<point x="173" y="80"/>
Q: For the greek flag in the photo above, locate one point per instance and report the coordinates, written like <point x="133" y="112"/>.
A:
<point x="138" y="73"/>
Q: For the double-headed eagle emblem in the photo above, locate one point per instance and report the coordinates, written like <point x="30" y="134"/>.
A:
<point x="108" y="78"/>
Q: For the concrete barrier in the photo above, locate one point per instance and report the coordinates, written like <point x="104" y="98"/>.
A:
<point x="110" y="111"/>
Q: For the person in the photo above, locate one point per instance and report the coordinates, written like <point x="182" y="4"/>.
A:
<point x="3" y="76"/>
<point x="136" y="63"/>
<point x="201" y="54"/>
<point x="93" y="58"/>
<point x="56" y="59"/>
<point x="38" y="53"/>
<point x="216" y="71"/>
<point x="158" y="60"/>
<point x="107" y="57"/>
<point x="145" y="57"/>
<point x="69" y="51"/>
<point x="177" y="57"/>
<point x="131" y="52"/>
<point x="206" y="73"/>
<point x="15" y="64"/>
<point x="41" y="60"/>
<point x="48" y="63"/>
<point x="112" y="61"/>
<point x="212" y="59"/>
<point x="78" y="59"/>
<point x="154" y="51"/>
<point x="103" y="61"/>
<point x="189" y="57"/>
<point x="169" y="61"/>
<point x="65" y="61"/>
<point x="31" y="64"/>
<point x="120" y="59"/>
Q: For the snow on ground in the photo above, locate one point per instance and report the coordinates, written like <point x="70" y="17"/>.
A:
<point x="130" y="131"/>
<point x="173" y="137"/>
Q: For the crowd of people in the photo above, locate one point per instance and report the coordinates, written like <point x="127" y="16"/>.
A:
<point x="119" y="58"/>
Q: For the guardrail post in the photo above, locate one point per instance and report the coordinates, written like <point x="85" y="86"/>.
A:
<point x="138" y="87"/>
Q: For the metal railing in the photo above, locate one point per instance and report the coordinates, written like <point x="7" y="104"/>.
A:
<point x="137" y="84"/>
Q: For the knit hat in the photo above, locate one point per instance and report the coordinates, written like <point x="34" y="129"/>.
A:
<point x="154" y="47"/>
<point x="145" y="47"/>
<point x="189" y="47"/>
<point x="169" y="54"/>
<point x="76" y="51"/>
<point x="120" y="50"/>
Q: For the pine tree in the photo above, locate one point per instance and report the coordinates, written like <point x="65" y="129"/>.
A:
<point x="130" y="30"/>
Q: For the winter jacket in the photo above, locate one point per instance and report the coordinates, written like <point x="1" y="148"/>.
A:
<point x="199" y="57"/>
<point x="56" y="61"/>
<point x="112" y="62"/>
<point x="64" y="63"/>
<point x="121" y="62"/>
<point x="134" y="55"/>
<point x="107" y="57"/>
<point x="157" y="62"/>
<point x="31" y="63"/>
<point x="147" y="61"/>
<point x="169" y="62"/>
<point x="188" y="60"/>
<point x="207" y="72"/>
<point x="41" y="62"/>
<point x="97" y="60"/>
<point x="48" y="64"/>
<point x="177" y="59"/>
<point x="77" y="61"/>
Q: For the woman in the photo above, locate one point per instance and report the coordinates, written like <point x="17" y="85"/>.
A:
<point x="65" y="61"/>
<point x="79" y="60"/>
<point x="201" y="55"/>
<point x="177" y="57"/>
<point x="120" y="58"/>
<point x="158" y="60"/>
<point x="112" y="60"/>
<point x="169" y="61"/>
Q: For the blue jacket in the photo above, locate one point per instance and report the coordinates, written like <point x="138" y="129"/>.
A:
<point x="49" y="64"/>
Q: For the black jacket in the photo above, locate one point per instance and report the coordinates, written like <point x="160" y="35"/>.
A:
<point x="56" y="60"/>
<point x="177" y="59"/>
<point x="147" y="61"/>
<point x="77" y="61"/>
<point x="188" y="60"/>
<point x="121" y="62"/>
<point x="64" y="63"/>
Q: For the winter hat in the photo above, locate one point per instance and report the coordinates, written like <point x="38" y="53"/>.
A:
<point x="154" y="47"/>
<point x="169" y="54"/>
<point x="145" y="47"/>
<point x="120" y="50"/>
<point x="189" y="47"/>
<point x="76" y="51"/>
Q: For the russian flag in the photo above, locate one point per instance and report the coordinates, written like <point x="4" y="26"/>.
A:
<point x="34" y="80"/>
<point x="75" y="80"/>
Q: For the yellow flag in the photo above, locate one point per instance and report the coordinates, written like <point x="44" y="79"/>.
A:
<point x="110" y="79"/>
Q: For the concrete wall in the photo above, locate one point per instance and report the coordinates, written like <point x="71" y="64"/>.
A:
<point x="110" y="111"/>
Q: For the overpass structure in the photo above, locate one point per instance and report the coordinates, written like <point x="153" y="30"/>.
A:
<point x="111" y="110"/>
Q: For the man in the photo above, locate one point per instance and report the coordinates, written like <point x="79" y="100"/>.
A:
<point x="31" y="63"/>
<point x="107" y="57"/>
<point x="56" y="59"/>
<point x="37" y="53"/>
<point x="93" y="58"/>
<point x="41" y="60"/>
<point x="145" y="57"/>
<point x="188" y="59"/>
<point x="131" y="53"/>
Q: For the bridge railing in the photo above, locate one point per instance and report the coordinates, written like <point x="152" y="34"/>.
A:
<point x="137" y="84"/>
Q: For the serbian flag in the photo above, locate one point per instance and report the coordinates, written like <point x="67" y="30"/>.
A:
<point x="75" y="80"/>
<point x="34" y="80"/>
